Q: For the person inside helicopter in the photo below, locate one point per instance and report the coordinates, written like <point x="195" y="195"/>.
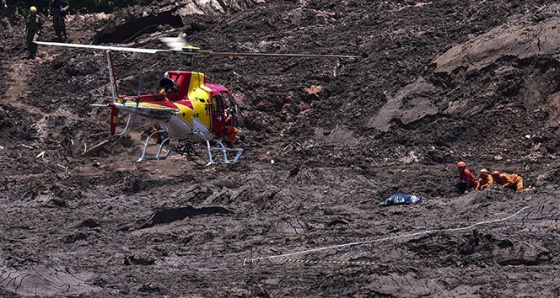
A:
<point x="223" y="106"/>
<point x="168" y="86"/>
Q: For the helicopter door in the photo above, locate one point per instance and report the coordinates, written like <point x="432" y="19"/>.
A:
<point x="218" y="116"/>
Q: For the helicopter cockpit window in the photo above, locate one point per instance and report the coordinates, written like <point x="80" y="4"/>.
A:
<point x="217" y="103"/>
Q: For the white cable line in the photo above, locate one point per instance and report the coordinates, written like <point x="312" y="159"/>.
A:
<point x="384" y="238"/>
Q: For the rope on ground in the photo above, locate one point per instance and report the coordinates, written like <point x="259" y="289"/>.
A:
<point x="287" y="255"/>
<point x="287" y="260"/>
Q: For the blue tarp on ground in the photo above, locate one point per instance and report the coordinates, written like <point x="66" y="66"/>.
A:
<point x="400" y="198"/>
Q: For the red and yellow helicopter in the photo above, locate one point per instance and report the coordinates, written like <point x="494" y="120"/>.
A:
<point x="188" y="109"/>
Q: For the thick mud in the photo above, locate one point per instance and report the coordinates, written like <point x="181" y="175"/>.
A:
<point x="325" y="141"/>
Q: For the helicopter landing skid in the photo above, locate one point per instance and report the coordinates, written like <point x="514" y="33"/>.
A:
<point x="163" y="147"/>
<point x="192" y="150"/>
<point x="221" y="148"/>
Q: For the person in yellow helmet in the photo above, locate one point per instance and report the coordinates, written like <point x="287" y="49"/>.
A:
<point x="484" y="180"/>
<point x="511" y="181"/>
<point x="33" y="27"/>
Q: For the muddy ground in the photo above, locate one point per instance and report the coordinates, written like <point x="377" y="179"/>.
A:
<point x="325" y="141"/>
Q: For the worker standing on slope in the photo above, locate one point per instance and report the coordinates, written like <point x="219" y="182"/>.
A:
<point x="33" y="26"/>
<point x="58" y="10"/>
<point x="4" y="16"/>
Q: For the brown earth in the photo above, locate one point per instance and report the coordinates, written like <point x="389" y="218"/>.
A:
<point x="324" y="141"/>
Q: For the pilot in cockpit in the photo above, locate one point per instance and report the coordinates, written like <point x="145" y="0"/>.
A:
<point x="168" y="86"/>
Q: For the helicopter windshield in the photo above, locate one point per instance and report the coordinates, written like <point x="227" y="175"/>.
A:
<point x="227" y="99"/>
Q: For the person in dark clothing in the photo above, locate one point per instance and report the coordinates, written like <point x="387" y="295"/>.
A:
<point x="58" y="10"/>
<point x="3" y="16"/>
<point x="33" y="27"/>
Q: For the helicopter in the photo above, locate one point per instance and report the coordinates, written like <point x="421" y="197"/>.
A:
<point x="196" y="114"/>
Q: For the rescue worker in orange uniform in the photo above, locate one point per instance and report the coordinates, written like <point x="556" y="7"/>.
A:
<point x="512" y="181"/>
<point x="231" y="133"/>
<point x="484" y="180"/>
<point x="157" y="135"/>
<point x="468" y="180"/>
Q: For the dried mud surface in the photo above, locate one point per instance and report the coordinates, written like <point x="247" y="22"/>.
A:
<point x="324" y="141"/>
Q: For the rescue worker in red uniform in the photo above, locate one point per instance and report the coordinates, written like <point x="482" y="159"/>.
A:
<point x="511" y="181"/>
<point x="468" y="180"/>
<point x="484" y="180"/>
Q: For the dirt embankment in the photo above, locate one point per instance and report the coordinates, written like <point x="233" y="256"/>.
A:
<point x="324" y="141"/>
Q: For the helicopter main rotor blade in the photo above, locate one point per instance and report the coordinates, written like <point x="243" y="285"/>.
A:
<point x="97" y="47"/>
<point x="179" y="44"/>
<point x="234" y="54"/>
<point x="180" y="47"/>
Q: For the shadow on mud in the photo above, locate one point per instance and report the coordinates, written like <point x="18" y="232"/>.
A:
<point x="170" y="215"/>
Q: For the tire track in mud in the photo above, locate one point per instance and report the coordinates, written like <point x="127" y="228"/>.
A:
<point x="19" y="89"/>
<point x="45" y="280"/>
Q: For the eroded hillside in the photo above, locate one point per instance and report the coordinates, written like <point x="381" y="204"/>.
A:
<point x="325" y="140"/>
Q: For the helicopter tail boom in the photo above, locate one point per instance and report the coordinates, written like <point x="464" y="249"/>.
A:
<point x="112" y="81"/>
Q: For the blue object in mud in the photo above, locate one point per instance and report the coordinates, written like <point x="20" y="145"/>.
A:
<point x="400" y="198"/>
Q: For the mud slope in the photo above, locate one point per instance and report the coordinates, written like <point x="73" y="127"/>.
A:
<point x="324" y="140"/>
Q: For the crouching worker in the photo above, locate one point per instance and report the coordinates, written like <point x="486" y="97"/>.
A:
<point x="484" y="180"/>
<point x="156" y="135"/>
<point x="468" y="180"/>
<point x="512" y="181"/>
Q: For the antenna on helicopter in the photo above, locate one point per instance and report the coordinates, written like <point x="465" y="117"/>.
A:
<point x="140" y="86"/>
